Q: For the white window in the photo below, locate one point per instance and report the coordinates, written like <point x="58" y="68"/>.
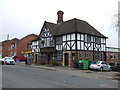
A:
<point x="78" y="36"/>
<point x="92" y="39"/>
<point x="64" y="38"/>
<point x="48" y="41"/>
<point x="60" y="47"/>
<point x="37" y="43"/>
<point x="87" y="38"/>
<point x="102" y="40"/>
<point x="78" y="45"/>
<point x="72" y="36"/>
<point x="82" y="37"/>
<point x="102" y="47"/>
<point x="68" y="37"/>
<point x="57" y="47"/>
<point x="45" y="42"/>
<point x="82" y="45"/>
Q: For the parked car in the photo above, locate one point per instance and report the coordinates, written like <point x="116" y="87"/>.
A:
<point x="9" y="60"/>
<point x="117" y="67"/>
<point x="19" y="57"/>
<point x="1" y="61"/>
<point x="99" y="65"/>
<point x="111" y="66"/>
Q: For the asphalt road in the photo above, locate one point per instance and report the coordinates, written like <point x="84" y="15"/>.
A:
<point x="14" y="76"/>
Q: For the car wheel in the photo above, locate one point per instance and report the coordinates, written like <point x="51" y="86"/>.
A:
<point x="101" y="69"/>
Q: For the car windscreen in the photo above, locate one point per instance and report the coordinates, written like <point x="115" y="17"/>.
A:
<point x="95" y="62"/>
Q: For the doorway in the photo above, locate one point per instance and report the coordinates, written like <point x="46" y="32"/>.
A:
<point x="48" y="58"/>
<point x="66" y="59"/>
<point x="36" y="57"/>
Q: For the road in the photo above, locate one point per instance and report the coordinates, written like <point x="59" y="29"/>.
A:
<point x="14" y="76"/>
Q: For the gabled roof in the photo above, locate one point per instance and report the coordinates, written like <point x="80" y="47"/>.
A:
<point x="71" y="26"/>
<point x="53" y="27"/>
<point x="28" y="36"/>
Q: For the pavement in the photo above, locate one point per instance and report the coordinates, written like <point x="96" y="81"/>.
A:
<point x="110" y="75"/>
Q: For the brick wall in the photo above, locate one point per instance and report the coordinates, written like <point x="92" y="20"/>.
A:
<point x="113" y="57"/>
<point x="6" y="47"/>
<point x="22" y="45"/>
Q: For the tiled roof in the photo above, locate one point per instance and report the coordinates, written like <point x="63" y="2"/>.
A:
<point x="71" y="26"/>
<point x="28" y="36"/>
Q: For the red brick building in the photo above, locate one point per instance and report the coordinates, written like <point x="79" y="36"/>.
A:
<point x="8" y="47"/>
<point x="22" y="46"/>
<point x="16" y="47"/>
<point x="0" y="49"/>
<point x="113" y="55"/>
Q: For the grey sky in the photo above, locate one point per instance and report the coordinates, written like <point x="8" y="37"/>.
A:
<point x="22" y="17"/>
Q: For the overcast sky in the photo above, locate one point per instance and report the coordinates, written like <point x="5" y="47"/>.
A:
<point x="22" y="17"/>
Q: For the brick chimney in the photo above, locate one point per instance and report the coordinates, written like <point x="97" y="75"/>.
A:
<point x="60" y="17"/>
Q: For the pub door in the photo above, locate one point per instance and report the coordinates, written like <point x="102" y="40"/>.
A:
<point x="66" y="59"/>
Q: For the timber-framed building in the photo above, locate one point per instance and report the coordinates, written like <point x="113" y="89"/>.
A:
<point x="69" y="41"/>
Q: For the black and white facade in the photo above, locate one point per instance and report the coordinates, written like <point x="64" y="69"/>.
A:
<point x="67" y="41"/>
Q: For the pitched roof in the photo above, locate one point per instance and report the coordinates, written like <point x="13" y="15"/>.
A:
<point x="28" y="36"/>
<point x="71" y="26"/>
<point x="14" y="39"/>
<point x="53" y="27"/>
